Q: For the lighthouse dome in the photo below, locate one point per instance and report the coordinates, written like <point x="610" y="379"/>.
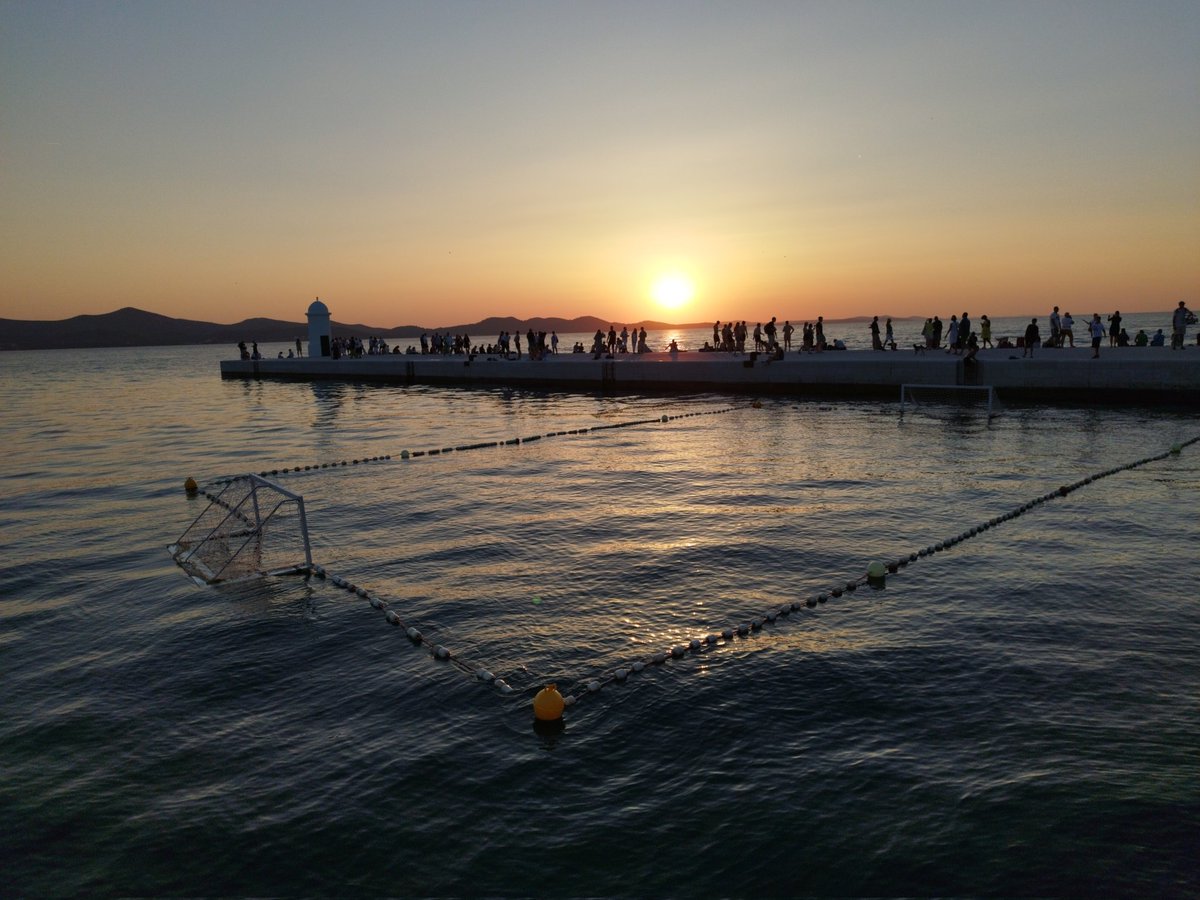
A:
<point x="317" y="308"/>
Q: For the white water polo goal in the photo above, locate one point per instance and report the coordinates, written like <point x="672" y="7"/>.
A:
<point x="252" y="527"/>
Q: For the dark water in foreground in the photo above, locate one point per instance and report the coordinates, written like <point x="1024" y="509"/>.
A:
<point x="1015" y="716"/>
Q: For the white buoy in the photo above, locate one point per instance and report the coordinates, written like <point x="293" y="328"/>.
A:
<point x="413" y="634"/>
<point x="485" y="676"/>
<point x="638" y="666"/>
<point x="593" y="686"/>
<point x="392" y="617"/>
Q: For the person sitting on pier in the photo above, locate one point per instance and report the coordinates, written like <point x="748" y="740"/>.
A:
<point x="1159" y="339"/>
<point x="1141" y="339"/>
<point x="972" y="349"/>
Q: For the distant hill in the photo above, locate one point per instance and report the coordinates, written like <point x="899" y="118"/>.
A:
<point x="130" y="327"/>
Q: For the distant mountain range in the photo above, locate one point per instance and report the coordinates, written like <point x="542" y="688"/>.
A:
<point x="130" y="327"/>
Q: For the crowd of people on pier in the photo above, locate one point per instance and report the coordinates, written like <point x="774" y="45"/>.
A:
<point x="771" y="338"/>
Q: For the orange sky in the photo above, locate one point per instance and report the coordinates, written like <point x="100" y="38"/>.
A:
<point x="435" y="164"/>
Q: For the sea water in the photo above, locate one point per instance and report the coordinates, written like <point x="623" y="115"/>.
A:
<point x="1016" y="715"/>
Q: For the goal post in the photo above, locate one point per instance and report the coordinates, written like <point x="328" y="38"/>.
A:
<point x="925" y="395"/>
<point x="252" y="527"/>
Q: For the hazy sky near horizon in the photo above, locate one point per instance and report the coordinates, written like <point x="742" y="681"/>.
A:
<point x="434" y="163"/>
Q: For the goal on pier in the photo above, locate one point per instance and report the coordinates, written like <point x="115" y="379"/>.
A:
<point x="252" y="527"/>
<point x="942" y="397"/>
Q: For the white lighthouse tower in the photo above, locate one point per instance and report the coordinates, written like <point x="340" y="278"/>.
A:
<point x="320" y="335"/>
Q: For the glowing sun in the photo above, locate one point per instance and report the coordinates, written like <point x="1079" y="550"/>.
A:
<point x="672" y="291"/>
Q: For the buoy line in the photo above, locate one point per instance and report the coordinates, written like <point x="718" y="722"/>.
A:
<point x="876" y="575"/>
<point x="549" y="703"/>
<point x="437" y="651"/>
<point x="314" y="468"/>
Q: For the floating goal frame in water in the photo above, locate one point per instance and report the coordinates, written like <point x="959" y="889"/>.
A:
<point x="246" y="531"/>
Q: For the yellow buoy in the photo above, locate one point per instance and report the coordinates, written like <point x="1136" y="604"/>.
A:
<point x="548" y="704"/>
<point x="190" y="485"/>
<point x="876" y="570"/>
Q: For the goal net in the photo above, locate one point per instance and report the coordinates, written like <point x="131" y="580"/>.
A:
<point x="947" y="397"/>
<point x="252" y="527"/>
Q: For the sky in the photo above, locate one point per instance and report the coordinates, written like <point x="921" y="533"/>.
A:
<point x="435" y="163"/>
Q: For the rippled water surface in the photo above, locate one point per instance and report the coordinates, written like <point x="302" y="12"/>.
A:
<point x="1016" y="715"/>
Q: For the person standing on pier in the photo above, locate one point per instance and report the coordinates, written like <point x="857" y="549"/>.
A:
<point x="1055" y="329"/>
<point x="985" y="331"/>
<point x="787" y="334"/>
<point x="1067" y="330"/>
<point x="820" y="333"/>
<point x="876" y="344"/>
<point x="1179" y="322"/>
<point x="1032" y="337"/>
<point x="1096" y="330"/>
<point x="1114" y="328"/>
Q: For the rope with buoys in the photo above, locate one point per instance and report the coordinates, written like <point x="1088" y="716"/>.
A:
<point x="874" y="576"/>
<point x="550" y="704"/>
<point x="436" y="650"/>
<point x="315" y="468"/>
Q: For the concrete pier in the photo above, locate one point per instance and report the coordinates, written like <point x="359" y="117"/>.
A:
<point x="1123" y="373"/>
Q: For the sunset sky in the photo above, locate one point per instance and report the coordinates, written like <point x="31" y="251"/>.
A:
<point x="435" y="163"/>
